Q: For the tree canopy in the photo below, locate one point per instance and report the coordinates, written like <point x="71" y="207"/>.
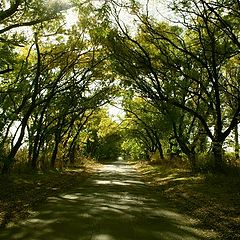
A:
<point x="178" y="81"/>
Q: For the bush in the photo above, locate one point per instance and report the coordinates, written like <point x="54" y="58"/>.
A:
<point x="231" y="160"/>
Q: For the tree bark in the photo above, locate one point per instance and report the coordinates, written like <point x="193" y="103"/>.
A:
<point x="72" y="153"/>
<point x="190" y="152"/>
<point x="159" y="147"/>
<point x="217" y="150"/>
<point x="236" y="142"/>
<point x="54" y="154"/>
<point x="10" y="158"/>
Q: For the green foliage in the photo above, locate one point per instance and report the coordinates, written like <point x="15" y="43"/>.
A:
<point x="133" y="149"/>
<point x="179" y="83"/>
<point x="51" y="80"/>
<point x="182" y="71"/>
<point x="101" y="138"/>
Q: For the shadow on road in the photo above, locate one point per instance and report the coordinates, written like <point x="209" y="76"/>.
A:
<point x="114" y="204"/>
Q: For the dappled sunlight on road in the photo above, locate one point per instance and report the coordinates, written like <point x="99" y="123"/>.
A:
<point x="69" y="196"/>
<point x="102" y="237"/>
<point x="114" y="204"/>
<point x="99" y="182"/>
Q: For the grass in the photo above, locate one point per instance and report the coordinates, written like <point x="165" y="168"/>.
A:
<point x="20" y="193"/>
<point x="214" y="199"/>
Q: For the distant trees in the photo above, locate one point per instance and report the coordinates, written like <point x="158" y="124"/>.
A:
<point x="101" y="137"/>
<point x="162" y="134"/>
<point x="145" y="124"/>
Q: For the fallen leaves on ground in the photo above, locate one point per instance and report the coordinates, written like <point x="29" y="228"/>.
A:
<point x="214" y="199"/>
<point x="19" y="193"/>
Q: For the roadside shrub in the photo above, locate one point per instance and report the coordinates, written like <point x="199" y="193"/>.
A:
<point x="231" y="160"/>
<point x="205" y="162"/>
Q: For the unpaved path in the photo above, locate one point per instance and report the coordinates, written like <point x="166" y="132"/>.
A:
<point x="114" y="204"/>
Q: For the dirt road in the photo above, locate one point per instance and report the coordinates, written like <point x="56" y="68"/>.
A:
<point x="113" y="204"/>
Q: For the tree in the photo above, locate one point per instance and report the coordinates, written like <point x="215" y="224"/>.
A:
<point x="183" y="67"/>
<point x="14" y="16"/>
<point x="149" y="123"/>
<point x="55" y="84"/>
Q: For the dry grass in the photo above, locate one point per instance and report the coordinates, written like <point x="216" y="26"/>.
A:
<point x="214" y="199"/>
<point x="19" y="193"/>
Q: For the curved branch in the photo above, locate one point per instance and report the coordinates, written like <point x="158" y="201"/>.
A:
<point x="10" y="11"/>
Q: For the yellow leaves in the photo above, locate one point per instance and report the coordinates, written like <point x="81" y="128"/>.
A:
<point x="23" y="52"/>
<point x="101" y="123"/>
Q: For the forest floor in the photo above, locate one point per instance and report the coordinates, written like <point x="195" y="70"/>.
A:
<point x="20" y="193"/>
<point x="214" y="199"/>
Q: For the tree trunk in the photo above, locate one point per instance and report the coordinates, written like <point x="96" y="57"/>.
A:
<point x="57" y="142"/>
<point x="190" y="152"/>
<point x="34" y="159"/>
<point x="217" y="150"/>
<point x="236" y="142"/>
<point x="37" y="140"/>
<point x="159" y="146"/>
<point x="7" y="165"/>
<point x="72" y="153"/>
<point x="54" y="154"/>
<point x="36" y="152"/>
<point x="10" y="158"/>
<point x="72" y="148"/>
<point x="192" y="159"/>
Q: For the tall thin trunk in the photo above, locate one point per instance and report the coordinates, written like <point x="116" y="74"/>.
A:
<point x="236" y="142"/>
<point x="54" y="154"/>
<point x="36" y="152"/>
<point x="159" y="146"/>
<point x="36" y="146"/>
<point x="57" y="136"/>
<point x="190" y="152"/>
<point x="10" y="158"/>
<point x="72" y="153"/>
